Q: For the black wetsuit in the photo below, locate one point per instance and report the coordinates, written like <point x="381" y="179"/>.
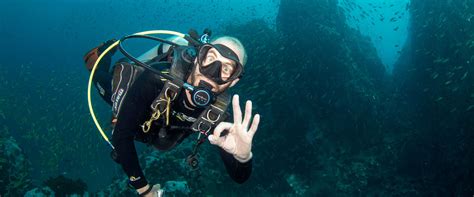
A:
<point x="136" y="110"/>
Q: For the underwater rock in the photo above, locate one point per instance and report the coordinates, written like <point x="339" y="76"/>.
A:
<point x="118" y="187"/>
<point x="40" y="192"/>
<point x="434" y="79"/>
<point x="176" y="187"/>
<point x="296" y="184"/>
<point x="63" y="186"/>
<point x="311" y="73"/>
<point x="162" y="166"/>
<point x="314" y="135"/>
<point x="334" y="70"/>
<point x="14" y="168"/>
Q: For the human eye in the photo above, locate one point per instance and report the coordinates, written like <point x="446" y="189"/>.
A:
<point x="227" y="69"/>
<point x="208" y="60"/>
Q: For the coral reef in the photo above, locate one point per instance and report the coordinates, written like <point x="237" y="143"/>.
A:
<point x="63" y="186"/>
<point x="176" y="187"/>
<point x="40" y="192"/>
<point x="14" y="168"/>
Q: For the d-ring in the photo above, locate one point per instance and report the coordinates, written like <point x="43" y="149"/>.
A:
<point x="166" y="94"/>
<point x="205" y="131"/>
<point x="208" y="117"/>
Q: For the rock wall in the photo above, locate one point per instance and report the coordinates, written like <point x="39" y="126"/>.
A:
<point x="434" y="86"/>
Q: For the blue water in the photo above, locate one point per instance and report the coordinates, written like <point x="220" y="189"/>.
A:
<point x="364" y="97"/>
<point x="53" y="33"/>
<point x="376" y="24"/>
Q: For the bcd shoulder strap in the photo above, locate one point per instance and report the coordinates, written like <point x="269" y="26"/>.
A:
<point x="180" y="68"/>
<point x="212" y="115"/>
<point x="182" y="61"/>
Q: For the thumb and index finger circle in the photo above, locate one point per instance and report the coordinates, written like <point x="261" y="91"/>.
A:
<point x="215" y="137"/>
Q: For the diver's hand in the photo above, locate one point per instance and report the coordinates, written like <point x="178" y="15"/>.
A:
<point x="91" y="57"/>
<point x="106" y="44"/>
<point x="238" y="141"/>
<point x="155" y="191"/>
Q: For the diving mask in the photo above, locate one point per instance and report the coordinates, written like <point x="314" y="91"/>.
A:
<point x="215" y="69"/>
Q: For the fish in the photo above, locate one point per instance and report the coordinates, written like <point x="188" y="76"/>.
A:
<point x="470" y="107"/>
<point x="464" y="76"/>
<point x="450" y="74"/>
<point x="440" y="60"/>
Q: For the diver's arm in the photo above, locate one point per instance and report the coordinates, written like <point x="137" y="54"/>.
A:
<point x="235" y="141"/>
<point x="134" y="111"/>
<point x="123" y="140"/>
<point x="127" y="156"/>
<point x="238" y="171"/>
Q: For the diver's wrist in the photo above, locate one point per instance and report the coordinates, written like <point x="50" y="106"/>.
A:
<point x="143" y="190"/>
<point x="243" y="159"/>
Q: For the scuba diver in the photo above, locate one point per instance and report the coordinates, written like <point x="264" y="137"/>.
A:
<point x="161" y="111"/>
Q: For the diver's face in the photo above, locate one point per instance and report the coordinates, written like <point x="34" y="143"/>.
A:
<point x="227" y="69"/>
<point x="228" y="65"/>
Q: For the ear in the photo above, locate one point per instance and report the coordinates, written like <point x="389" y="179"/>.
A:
<point x="234" y="82"/>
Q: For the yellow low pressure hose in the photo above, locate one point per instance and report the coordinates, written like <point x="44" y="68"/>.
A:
<point x="89" y="87"/>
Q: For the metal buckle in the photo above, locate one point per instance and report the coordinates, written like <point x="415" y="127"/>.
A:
<point x="209" y="118"/>
<point x="205" y="132"/>
<point x="166" y="94"/>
